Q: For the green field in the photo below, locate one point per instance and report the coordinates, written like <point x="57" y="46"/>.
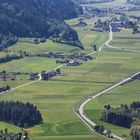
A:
<point x="126" y="39"/>
<point x="29" y="64"/>
<point x="56" y="97"/>
<point x="125" y="94"/>
<point x="127" y="63"/>
<point x="42" y="47"/>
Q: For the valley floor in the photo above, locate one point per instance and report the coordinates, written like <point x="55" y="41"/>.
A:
<point x="56" y="97"/>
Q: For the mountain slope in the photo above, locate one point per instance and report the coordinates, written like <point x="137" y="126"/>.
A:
<point x="38" y="18"/>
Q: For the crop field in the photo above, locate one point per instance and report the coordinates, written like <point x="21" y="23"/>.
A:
<point x="127" y="63"/>
<point x="55" y="98"/>
<point x="127" y="40"/>
<point x="87" y="37"/>
<point x="27" y="45"/>
<point x="125" y="94"/>
<point x="29" y="64"/>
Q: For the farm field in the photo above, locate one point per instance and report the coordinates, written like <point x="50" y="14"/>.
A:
<point x="29" y="64"/>
<point x="55" y="98"/>
<point x="27" y="45"/>
<point x="125" y="94"/>
<point x="126" y="39"/>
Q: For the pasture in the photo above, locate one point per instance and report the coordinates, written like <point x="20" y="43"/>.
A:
<point x="128" y="63"/>
<point x="56" y="97"/>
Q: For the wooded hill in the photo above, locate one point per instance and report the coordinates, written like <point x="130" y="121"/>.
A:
<point x="38" y="18"/>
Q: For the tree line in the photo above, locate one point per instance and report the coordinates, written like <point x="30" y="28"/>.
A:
<point x="9" y="57"/>
<point x="21" y="114"/>
<point x="126" y="116"/>
<point x="3" y="89"/>
<point x="23" y="20"/>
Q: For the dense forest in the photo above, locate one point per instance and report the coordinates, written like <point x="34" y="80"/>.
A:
<point x="36" y="18"/>
<point x="125" y="116"/>
<point x="20" y="114"/>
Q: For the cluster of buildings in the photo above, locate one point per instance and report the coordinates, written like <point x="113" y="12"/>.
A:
<point x="4" y="76"/>
<point x="91" y="12"/>
<point x="78" y="56"/>
<point x="48" y="75"/>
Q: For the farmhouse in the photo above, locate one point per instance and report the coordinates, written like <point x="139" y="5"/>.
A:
<point x="50" y="74"/>
<point x="6" y="76"/>
<point x="73" y="63"/>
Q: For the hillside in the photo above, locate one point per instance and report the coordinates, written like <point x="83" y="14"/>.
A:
<point x="38" y="18"/>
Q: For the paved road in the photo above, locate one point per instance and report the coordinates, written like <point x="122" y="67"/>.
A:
<point x="81" y="113"/>
<point x="118" y="48"/>
<point x="84" y="118"/>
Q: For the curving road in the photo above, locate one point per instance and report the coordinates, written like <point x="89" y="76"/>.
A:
<point x="85" y="119"/>
<point x="81" y="113"/>
<point x="118" y="48"/>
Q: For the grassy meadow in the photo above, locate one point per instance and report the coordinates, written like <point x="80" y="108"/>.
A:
<point x="127" y="63"/>
<point x="56" y="97"/>
<point x="27" y="45"/>
<point x="125" y="94"/>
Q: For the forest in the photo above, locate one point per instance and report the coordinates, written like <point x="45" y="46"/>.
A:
<point x="125" y="116"/>
<point x="37" y="18"/>
<point x="21" y="114"/>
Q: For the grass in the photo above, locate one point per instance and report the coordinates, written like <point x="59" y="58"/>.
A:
<point x="126" y="39"/>
<point x="29" y="64"/>
<point x="9" y="126"/>
<point x="120" y="63"/>
<point x="82" y="137"/>
<point x="53" y="98"/>
<point x="122" y="95"/>
<point x="42" y="47"/>
<point x="56" y="97"/>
